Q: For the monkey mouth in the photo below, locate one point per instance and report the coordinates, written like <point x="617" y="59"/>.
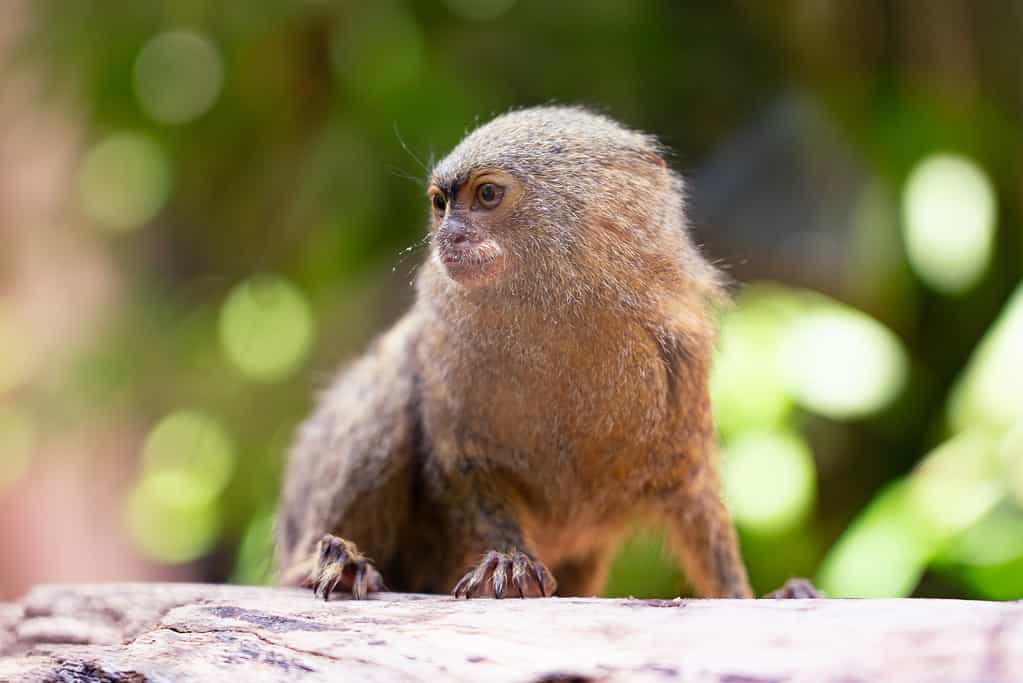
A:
<point x="473" y="266"/>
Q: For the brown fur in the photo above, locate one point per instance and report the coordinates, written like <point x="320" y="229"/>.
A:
<point x="543" y="401"/>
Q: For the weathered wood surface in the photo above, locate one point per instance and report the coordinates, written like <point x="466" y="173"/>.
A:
<point x="160" y="632"/>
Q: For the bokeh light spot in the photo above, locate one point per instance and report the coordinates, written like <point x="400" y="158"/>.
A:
<point x="188" y="455"/>
<point x="254" y="565"/>
<point x="991" y="391"/>
<point x="479" y="10"/>
<point x="266" y="327"/>
<point x="747" y="389"/>
<point x="949" y="221"/>
<point x="170" y="529"/>
<point x="956" y="484"/>
<point x="881" y="555"/>
<point x="1010" y="452"/>
<point x="882" y="561"/>
<point x="843" y="364"/>
<point x="994" y="540"/>
<point x="16" y="359"/>
<point x="17" y="440"/>
<point x="173" y="512"/>
<point x="178" y="76"/>
<point x="1002" y="581"/>
<point x="124" y="181"/>
<point x="769" y="481"/>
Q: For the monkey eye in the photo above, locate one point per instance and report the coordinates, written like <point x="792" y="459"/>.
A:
<point x="439" y="202"/>
<point x="489" y="195"/>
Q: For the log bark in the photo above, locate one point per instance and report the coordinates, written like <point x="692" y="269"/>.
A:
<point x="187" y="632"/>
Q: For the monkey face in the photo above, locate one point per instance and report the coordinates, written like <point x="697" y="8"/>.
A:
<point x="470" y="226"/>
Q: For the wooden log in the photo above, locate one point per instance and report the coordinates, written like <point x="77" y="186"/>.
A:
<point x="187" y="632"/>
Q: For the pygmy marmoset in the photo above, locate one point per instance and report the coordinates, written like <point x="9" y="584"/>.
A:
<point x="548" y="387"/>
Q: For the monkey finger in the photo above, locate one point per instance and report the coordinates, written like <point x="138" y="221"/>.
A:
<point x="459" y="590"/>
<point x="520" y="573"/>
<point x="327" y="582"/>
<point x="329" y="588"/>
<point x="520" y="582"/>
<point x="374" y="580"/>
<point x="475" y="583"/>
<point x="500" y="578"/>
<point x="482" y="573"/>
<point x="544" y="579"/>
<point x="367" y="579"/>
<point x="333" y="550"/>
<point x="359" y="583"/>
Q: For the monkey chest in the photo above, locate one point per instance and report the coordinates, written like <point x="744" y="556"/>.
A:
<point x="563" y="423"/>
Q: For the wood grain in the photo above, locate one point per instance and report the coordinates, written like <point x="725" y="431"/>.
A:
<point x="188" y="632"/>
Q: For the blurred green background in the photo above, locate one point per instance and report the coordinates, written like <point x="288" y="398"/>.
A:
<point x="205" y="207"/>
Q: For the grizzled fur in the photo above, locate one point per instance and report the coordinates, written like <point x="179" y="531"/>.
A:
<point x="543" y="413"/>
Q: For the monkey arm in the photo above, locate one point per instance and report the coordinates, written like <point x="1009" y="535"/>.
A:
<point x="488" y="555"/>
<point x="352" y="467"/>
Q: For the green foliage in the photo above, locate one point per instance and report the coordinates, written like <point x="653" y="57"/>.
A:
<point x="248" y="165"/>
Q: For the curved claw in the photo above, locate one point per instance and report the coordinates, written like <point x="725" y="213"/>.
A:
<point x="500" y="578"/>
<point x="538" y="575"/>
<point x="460" y="586"/>
<point x="520" y="573"/>
<point x="479" y="576"/>
<point x="498" y="572"/>
<point x="547" y="582"/>
<point x="341" y="564"/>
<point x="359" y="584"/>
<point x="328" y="589"/>
<point x="326" y="580"/>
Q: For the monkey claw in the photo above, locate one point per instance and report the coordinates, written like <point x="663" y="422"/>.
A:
<point x="501" y="575"/>
<point x="340" y="566"/>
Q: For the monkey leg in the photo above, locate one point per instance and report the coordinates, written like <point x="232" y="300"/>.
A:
<point x="326" y="557"/>
<point x="350" y="475"/>
<point x="702" y="534"/>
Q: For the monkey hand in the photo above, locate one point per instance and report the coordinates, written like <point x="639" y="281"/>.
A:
<point x="340" y="566"/>
<point x="501" y="575"/>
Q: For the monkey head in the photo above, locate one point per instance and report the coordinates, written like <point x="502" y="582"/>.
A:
<point x="546" y="197"/>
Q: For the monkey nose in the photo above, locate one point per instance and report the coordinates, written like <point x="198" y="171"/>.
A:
<point x="461" y="235"/>
<point x="464" y="238"/>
